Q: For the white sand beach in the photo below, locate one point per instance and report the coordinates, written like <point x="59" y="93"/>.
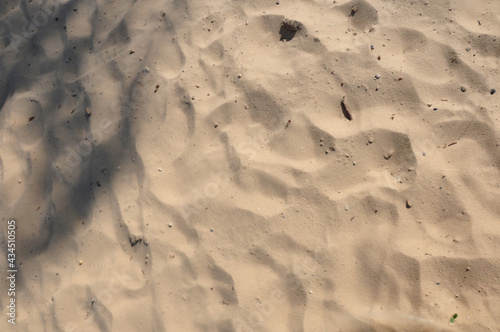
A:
<point x="189" y="165"/>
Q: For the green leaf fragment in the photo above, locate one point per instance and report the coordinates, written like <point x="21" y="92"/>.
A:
<point x="455" y="315"/>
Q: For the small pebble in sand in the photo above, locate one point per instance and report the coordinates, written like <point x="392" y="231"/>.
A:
<point x="277" y="2"/>
<point x="239" y="75"/>
<point x="347" y="207"/>
<point x="354" y="10"/>
<point x="408" y="204"/>
<point x="467" y="269"/>
<point x="463" y="88"/>
<point x="145" y="70"/>
<point x="371" y="139"/>
<point x="438" y="283"/>
<point x="435" y="109"/>
<point x="291" y="25"/>
<point x="493" y="91"/>
<point x="80" y="262"/>
<point x="345" y="109"/>
<point x="310" y="292"/>
<point x="377" y="76"/>
<point x="429" y="105"/>
<point x="354" y="163"/>
<point x="372" y="47"/>
<point x="170" y="224"/>
<point x="160" y="170"/>
<point x="423" y="154"/>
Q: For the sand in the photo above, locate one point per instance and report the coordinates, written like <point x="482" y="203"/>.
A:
<point x="198" y="166"/>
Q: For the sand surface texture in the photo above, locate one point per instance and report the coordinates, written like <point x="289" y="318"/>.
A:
<point x="195" y="165"/>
